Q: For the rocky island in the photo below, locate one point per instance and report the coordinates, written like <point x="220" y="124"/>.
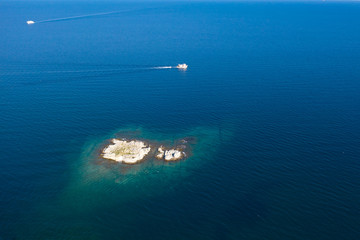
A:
<point x="134" y="151"/>
<point x="126" y="151"/>
<point x="169" y="155"/>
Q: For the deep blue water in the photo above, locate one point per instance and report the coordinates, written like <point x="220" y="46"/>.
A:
<point x="271" y="93"/>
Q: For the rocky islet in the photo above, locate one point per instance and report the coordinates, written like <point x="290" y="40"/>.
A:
<point x="134" y="151"/>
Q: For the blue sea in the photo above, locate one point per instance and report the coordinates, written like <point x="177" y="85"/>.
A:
<point x="271" y="95"/>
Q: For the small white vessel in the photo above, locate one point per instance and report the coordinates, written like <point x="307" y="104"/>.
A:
<point x="30" y="22"/>
<point x="182" y="66"/>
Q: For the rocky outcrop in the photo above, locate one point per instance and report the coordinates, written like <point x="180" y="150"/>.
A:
<point x="161" y="152"/>
<point x="126" y="151"/>
<point x="173" y="154"/>
<point x="169" y="155"/>
<point x="133" y="151"/>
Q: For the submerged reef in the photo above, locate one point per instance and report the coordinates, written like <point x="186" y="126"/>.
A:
<point x="134" y="151"/>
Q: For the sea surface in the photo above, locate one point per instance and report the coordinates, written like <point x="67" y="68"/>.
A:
<point x="271" y="95"/>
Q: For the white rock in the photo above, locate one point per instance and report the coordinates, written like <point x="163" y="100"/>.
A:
<point x="127" y="152"/>
<point x="172" y="154"/>
<point x="161" y="153"/>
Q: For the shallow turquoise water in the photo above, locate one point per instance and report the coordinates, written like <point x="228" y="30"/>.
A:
<point x="271" y="96"/>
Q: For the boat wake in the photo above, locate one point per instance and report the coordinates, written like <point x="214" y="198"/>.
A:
<point x="98" y="70"/>
<point x="164" y="67"/>
<point x="179" y="66"/>
<point x="29" y="22"/>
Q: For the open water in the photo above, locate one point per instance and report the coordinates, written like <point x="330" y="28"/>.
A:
<point x="271" y="95"/>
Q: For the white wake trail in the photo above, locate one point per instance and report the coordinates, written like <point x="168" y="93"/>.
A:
<point x="105" y="70"/>
<point x="164" y="67"/>
<point x="74" y="17"/>
<point x="80" y="16"/>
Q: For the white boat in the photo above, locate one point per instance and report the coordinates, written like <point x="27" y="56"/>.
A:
<point x="182" y="66"/>
<point x="30" y="22"/>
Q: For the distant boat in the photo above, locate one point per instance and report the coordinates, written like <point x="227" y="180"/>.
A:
<point x="182" y="66"/>
<point x="30" y="22"/>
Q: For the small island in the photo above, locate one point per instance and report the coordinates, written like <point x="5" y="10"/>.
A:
<point x="126" y="151"/>
<point x="169" y="155"/>
<point x="134" y="151"/>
